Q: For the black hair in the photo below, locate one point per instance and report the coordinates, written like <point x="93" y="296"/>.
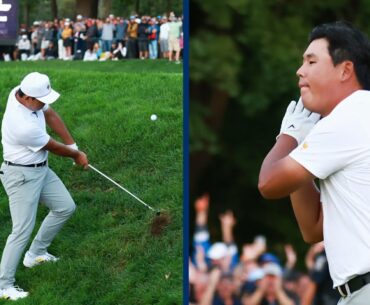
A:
<point x="346" y="43"/>
<point x="21" y="93"/>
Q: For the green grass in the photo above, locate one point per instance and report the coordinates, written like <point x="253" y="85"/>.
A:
<point x="108" y="255"/>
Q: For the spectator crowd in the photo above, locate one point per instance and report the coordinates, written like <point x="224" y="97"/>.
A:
<point x="219" y="275"/>
<point x="88" y="39"/>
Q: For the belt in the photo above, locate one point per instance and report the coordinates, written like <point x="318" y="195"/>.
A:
<point x="354" y="284"/>
<point x="26" y="165"/>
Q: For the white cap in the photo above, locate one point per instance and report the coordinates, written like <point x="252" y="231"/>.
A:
<point x="79" y="17"/>
<point x="217" y="251"/>
<point x="255" y="275"/>
<point x="272" y="269"/>
<point x="37" y="85"/>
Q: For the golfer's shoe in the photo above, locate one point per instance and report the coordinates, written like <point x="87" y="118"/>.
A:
<point x="31" y="260"/>
<point x="13" y="293"/>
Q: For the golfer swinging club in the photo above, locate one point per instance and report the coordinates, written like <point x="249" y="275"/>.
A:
<point x="27" y="179"/>
<point x="334" y="80"/>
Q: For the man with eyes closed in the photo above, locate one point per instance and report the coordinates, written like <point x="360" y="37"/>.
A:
<point x="326" y="136"/>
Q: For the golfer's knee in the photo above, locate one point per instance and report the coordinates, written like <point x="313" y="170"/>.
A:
<point x="70" y="208"/>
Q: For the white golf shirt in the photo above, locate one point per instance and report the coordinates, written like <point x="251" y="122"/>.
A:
<point x="164" y="30"/>
<point x="23" y="133"/>
<point x="337" y="151"/>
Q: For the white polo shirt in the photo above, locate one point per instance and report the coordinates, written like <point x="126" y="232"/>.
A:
<point x="164" y="30"/>
<point x="337" y="151"/>
<point x="23" y="133"/>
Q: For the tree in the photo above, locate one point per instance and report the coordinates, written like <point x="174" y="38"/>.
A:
<point x="54" y="9"/>
<point x="31" y="10"/>
<point x="26" y="8"/>
<point x="137" y="6"/>
<point x="169" y="6"/>
<point x="87" y="8"/>
<point x="107" y="8"/>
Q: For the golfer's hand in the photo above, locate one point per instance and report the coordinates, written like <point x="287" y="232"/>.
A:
<point x="81" y="159"/>
<point x="298" y="121"/>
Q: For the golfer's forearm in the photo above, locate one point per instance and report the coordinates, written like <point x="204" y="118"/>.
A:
<point x="270" y="181"/>
<point x="60" y="149"/>
<point x="55" y="122"/>
<point x="307" y="209"/>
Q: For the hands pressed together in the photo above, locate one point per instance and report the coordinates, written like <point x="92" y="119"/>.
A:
<point x="298" y="121"/>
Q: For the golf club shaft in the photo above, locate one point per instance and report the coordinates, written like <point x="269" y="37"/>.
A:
<point x="120" y="186"/>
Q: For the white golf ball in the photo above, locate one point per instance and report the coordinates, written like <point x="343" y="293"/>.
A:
<point x="153" y="117"/>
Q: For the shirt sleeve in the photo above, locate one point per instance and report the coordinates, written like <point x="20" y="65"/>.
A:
<point x="331" y="146"/>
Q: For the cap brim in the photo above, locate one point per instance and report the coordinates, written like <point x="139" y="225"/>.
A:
<point x="50" y="98"/>
<point x="216" y="255"/>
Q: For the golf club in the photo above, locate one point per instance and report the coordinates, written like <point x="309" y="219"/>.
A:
<point x="122" y="188"/>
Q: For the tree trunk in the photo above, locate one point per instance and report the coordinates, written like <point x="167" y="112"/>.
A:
<point x="87" y="8"/>
<point x="107" y="8"/>
<point x="169" y="7"/>
<point x="54" y="8"/>
<point x="27" y="9"/>
<point x="217" y="102"/>
<point x="137" y="7"/>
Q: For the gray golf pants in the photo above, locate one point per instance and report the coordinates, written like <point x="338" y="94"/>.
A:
<point x="359" y="297"/>
<point x="26" y="187"/>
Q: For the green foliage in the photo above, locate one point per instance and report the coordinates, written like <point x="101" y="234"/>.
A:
<point x="41" y="9"/>
<point x="202" y="136"/>
<point x="38" y="10"/>
<point x="151" y="7"/>
<point x="222" y="57"/>
<point x="66" y="9"/>
<point x="108" y="255"/>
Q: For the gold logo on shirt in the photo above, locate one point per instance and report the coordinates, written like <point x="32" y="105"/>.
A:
<point x="305" y="145"/>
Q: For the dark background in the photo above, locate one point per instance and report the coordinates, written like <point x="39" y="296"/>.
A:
<point x="243" y="61"/>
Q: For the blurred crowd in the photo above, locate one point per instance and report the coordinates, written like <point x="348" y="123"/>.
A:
<point x="114" y="38"/>
<point x="220" y="274"/>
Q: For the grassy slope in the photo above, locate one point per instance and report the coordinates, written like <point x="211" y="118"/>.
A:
<point x="108" y="255"/>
